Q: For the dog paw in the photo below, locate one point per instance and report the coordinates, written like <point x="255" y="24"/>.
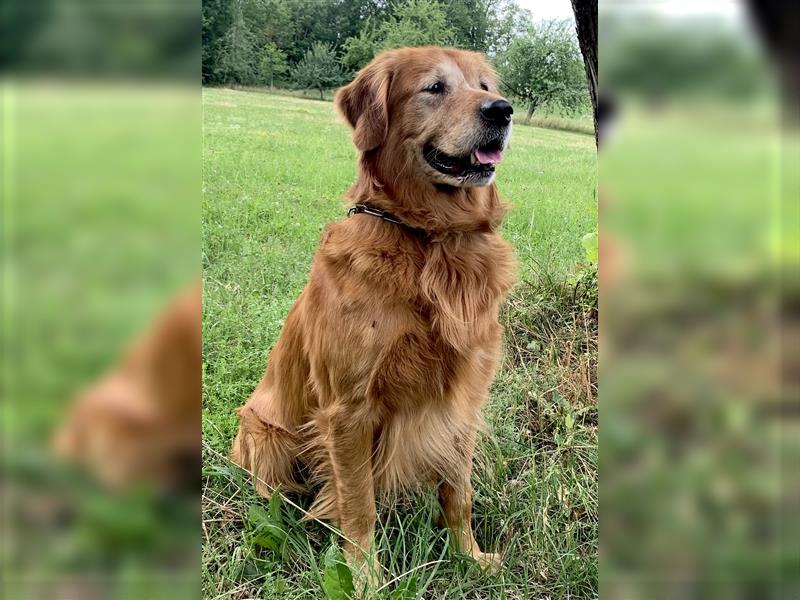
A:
<point x="489" y="561"/>
<point x="368" y="576"/>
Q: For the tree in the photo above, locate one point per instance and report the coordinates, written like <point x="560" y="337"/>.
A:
<point x="327" y="21"/>
<point x="273" y="62"/>
<point x="485" y="25"/>
<point x="237" y="55"/>
<point x="413" y="23"/>
<point x="358" y="50"/>
<point x="416" y="23"/>
<point x="319" y="69"/>
<point x="506" y="22"/>
<point x="544" y="66"/>
<point x="215" y="22"/>
<point x="272" y="22"/>
<point x="470" y="21"/>
<point x="351" y="17"/>
<point x="585" y="12"/>
<point x="776" y="23"/>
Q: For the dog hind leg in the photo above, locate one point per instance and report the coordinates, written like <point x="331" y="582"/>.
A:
<point x="267" y="450"/>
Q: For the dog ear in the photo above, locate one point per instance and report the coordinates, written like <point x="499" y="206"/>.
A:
<point x="364" y="102"/>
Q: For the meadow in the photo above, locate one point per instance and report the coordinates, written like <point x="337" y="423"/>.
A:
<point x="275" y="170"/>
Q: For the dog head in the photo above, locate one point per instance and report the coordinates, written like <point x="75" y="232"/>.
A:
<point x="436" y="111"/>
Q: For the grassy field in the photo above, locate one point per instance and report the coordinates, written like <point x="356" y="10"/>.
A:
<point x="275" y="169"/>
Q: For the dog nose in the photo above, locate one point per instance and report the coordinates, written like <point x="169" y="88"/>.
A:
<point x="497" y="112"/>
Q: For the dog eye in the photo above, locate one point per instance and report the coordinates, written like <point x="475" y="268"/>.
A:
<point x="435" y="88"/>
<point x="484" y="87"/>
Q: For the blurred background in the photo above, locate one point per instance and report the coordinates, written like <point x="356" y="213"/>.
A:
<point x="699" y="294"/>
<point x="100" y="217"/>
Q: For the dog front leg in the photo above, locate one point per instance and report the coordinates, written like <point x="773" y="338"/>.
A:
<point x="350" y="449"/>
<point x="455" y="498"/>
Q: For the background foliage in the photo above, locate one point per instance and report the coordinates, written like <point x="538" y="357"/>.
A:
<point x="544" y="65"/>
<point x="321" y="44"/>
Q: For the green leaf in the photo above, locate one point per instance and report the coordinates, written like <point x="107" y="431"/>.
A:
<point x="589" y="243"/>
<point x="533" y="345"/>
<point x="569" y="421"/>
<point x="280" y="585"/>
<point x="275" y="509"/>
<point x="267" y="530"/>
<point x="218" y="471"/>
<point x="405" y="590"/>
<point x="337" y="580"/>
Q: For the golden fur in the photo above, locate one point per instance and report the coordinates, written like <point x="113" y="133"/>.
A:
<point x="384" y="363"/>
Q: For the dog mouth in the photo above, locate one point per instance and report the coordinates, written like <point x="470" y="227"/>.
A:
<point x="478" y="164"/>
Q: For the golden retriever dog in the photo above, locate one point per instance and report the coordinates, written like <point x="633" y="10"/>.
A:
<point x="140" y="422"/>
<point x="379" y="376"/>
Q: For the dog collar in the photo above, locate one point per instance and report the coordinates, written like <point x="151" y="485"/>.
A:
<point x="372" y="211"/>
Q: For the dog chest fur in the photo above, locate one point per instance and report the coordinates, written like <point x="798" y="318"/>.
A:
<point x="417" y="317"/>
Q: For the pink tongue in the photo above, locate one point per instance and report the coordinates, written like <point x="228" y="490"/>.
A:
<point x="489" y="157"/>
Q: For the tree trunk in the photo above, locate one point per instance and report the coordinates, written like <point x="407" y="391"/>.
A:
<point x="531" y="109"/>
<point x="321" y="97"/>
<point x="776" y="23"/>
<point x="272" y="81"/>
<point x="586" y="28"/>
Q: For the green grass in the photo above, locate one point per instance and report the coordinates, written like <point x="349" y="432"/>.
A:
<point x="275" y="169"/>
<point x="327" y="95"/>
<point x="577" y="125"/>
